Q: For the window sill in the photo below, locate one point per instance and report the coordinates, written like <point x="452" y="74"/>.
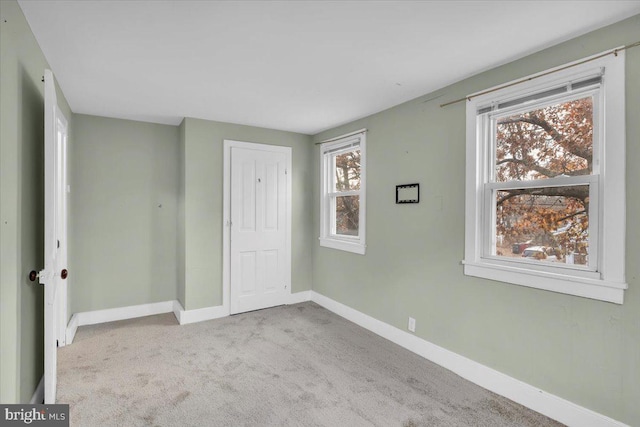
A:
<point x="598" y="289"/>
<point x="343" y="245"/>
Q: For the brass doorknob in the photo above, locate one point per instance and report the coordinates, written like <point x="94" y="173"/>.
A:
<point x="64" y="273"/>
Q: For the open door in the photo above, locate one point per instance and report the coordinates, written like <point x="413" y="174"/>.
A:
<point x="55" y="232"/>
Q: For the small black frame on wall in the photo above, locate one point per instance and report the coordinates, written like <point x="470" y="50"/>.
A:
<point x="408" y="193"/>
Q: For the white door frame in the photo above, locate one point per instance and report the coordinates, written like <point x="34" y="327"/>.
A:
<point x="226" y="214"/>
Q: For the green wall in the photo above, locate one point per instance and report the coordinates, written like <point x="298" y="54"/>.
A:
<point x="583" y="350"/>
<point x="123" y="213"/>
<point x="125" y="249"/>
<point x="203" y="173"/>
<point x="22" y="66"/>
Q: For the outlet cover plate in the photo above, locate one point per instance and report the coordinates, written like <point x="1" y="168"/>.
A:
<point x="412" y="324"/>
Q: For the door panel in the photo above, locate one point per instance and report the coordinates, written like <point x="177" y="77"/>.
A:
<point x="247" y="272"/>
<point x="259" y="277"/>
<point x="271" y="197"/>
<point x="271" y="278"/>
<point x="55" y="234"/>
<point x="248" y="205"/>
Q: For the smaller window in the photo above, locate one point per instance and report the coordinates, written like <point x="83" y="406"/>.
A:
<point x="342" y="224"/>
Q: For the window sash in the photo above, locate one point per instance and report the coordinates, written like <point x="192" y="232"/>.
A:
<point x="331" y="174"/>
<point x="333" y="233"/>
<point x="487" y="132"/>
<point x="489" y="216"/>
<point x="558" y="181"/>
<point x="332" y="198"/>
<point x="344" y="193"/>
<point x="328" y="232"/>
<point x="487" y="129"/>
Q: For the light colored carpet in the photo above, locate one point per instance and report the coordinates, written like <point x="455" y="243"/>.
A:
<point x="297" y="365"/>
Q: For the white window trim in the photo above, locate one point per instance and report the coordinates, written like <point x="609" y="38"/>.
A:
<point x="346" y="243"/>
<point x="608" y="283"/>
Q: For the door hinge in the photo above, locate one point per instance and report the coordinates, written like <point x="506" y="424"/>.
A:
<point x="58" y="244"/>
<point x="57" y="343"/>
<point x="285" y="171"/>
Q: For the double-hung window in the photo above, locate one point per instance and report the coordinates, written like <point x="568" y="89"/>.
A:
<point x="545" y="188"/>
<point x="342" y="224"/>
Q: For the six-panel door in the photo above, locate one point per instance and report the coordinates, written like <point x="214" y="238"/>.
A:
<point x="258" y="229"/>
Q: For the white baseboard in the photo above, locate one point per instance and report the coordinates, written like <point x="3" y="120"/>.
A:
<point x="183" y="316"/>
<point x="200" y="314"/>
<point x="72" y="327"/>
<point x="38" y="394"/>
<point x="113" y="314"/>
<point x="122" y="313"/>
<point x="177" y="310"/>
<point x="527" y="395"/>
<point x="298" y="297"/>
<point x="209" y="313"/>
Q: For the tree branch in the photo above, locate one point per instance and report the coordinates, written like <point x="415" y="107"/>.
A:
<point x="553" y="133"/>
<point x="584" y="211"/>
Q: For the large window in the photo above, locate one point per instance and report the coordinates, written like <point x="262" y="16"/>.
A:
<point x="545" y="185"/>
<point x="342" y="224"/>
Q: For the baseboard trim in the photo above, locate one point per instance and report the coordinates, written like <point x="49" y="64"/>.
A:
<point x="298" y="297"/>
<point x="72" y="328"/>
<point x="123" y="313"/>
<point x="182" y="316"/>
<point x="38" y="394"/>
<point x="200" y="314"/>
<point x="216" y="312"/>
<point x="525" y="394"/>
<point x="177" y="310"/>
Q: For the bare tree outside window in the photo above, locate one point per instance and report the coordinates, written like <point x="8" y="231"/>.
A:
<point x="347" y="178"/>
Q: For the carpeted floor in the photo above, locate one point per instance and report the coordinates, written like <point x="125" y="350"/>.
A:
<point x="297" y="365"/>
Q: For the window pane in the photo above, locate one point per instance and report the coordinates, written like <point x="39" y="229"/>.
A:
<point x="544" y="224"/>
<point x="546" y="142"/>
<point x="347" y="171"/>
<point x="347" y="215"/>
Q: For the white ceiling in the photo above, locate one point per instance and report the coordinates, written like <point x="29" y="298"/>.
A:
<point x="301" y="66"/>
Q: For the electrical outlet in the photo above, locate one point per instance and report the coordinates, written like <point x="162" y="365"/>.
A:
<point x="412" y="324"/>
